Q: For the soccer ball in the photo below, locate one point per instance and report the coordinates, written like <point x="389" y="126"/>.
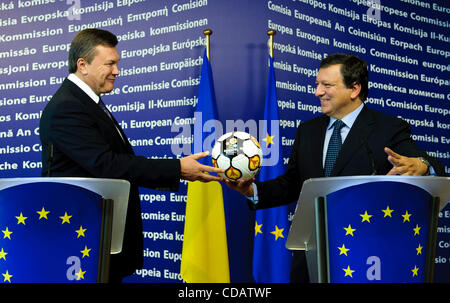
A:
<point x="239" y="154"/>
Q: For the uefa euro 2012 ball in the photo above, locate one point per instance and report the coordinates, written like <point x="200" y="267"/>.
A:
<point x="239" y="154"/>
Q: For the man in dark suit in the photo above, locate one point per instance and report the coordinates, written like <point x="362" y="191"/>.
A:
<point x="80" y="138"/>
<point x="367" y="141"/>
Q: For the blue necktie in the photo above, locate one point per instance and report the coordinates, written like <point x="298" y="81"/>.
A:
<point x="333" y="147"/>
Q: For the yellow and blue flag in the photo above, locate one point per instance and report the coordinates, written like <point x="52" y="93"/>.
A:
<point x="205" y="250"/>
<point x="271" y="259"/>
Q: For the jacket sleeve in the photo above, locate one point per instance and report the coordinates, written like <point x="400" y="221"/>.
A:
<point x="284" y="189"/>
<point x="403" y="144"/>
<point x="75" y="134"/>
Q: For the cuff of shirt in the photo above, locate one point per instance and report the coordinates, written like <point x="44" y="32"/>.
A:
<point x="432" y="171"/>
<point x="254" y="199"/>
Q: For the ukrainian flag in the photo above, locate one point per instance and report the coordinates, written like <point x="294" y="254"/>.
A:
<point x="205" y="250"/>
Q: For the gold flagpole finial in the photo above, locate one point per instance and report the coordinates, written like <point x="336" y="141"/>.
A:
<point x="271" y="33"/>
<point x="207" y="33"/>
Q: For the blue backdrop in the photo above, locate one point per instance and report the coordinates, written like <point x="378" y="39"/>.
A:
<point x="161" y="43"/>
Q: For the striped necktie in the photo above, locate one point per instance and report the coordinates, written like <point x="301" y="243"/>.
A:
<point x="333" y="147"/>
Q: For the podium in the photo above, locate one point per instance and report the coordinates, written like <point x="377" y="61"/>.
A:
<point x="60" y="229"/>
<point x="369" y="228"/>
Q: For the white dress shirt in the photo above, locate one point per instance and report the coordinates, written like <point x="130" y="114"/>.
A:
<point x="84" y="87"/>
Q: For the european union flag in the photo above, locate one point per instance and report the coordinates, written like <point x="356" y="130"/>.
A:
<point x="378" y="232"/>
<point x="271" y="258"/>
<point x="50" y="232"/>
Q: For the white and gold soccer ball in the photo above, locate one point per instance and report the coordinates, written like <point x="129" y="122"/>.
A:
<point x="239" y="154"/>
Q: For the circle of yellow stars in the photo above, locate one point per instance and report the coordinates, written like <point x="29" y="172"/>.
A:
<point x="365" y="217"/>
<point x="43" y="213"/>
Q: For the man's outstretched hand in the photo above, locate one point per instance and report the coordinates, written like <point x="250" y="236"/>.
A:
<point x="405" y="166"/>
<point x="192" y="170"/>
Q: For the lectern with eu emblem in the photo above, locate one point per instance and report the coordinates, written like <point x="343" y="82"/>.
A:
<point x="60" y="229"/>
<point x="369" y="228"/>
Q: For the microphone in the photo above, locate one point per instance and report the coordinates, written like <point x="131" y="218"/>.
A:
<point x="49" y="158"/>
<point x="370" y="154"/>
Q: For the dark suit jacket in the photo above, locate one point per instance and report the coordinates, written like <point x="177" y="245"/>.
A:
<point x="86" y="143"/>
<point x="377" y="129"/>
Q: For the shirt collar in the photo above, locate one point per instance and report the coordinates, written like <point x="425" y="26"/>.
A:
<point x="349" y="119"/>
<point x="84" y="87"/>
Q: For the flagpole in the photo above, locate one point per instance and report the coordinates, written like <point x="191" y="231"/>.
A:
<point x="207" y="33"/>
<point x="271" y="33"/>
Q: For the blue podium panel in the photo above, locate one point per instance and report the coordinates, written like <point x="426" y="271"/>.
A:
<point x="50" y="232"/>
<point x="378" y="232"/>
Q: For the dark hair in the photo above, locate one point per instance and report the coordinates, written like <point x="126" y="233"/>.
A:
<point x="84" y="44"/>
<point x="353" y="70"/>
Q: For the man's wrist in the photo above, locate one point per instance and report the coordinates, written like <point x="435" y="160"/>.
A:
<point x="425" y="161"/>
<point x="254" y="196"/>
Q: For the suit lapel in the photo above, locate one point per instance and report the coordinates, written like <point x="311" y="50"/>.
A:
<point x="359" y="132"/>
<point x="119" y="128"/>
<point x="317" y="145"/>
<point x="95" y="110"/>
